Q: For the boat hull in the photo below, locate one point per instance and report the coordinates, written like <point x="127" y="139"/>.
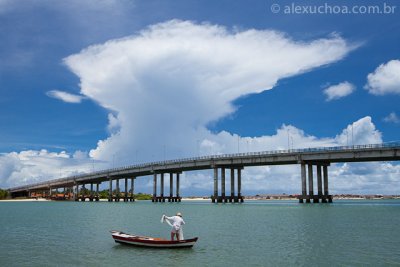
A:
<point x="145" y="241"/>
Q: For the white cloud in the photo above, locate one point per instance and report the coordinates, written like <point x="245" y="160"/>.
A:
<point x="33" y="166"/>
<point x="392" y="117"/>
<point x="169" y="81"/>
<point x="64" y="96"/>
<point x="360" y="132"/>
<point x="164" y="85"/>
<point x="365" y="178"/>
<point x="385" y="79"/>
<point x="339" y="90"/>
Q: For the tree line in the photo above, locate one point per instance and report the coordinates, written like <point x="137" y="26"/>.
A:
<point x="139" y="196"/>
<point x="3" y="194"/>
<point x="84" y="191"/>
<point x="105" y="194"/>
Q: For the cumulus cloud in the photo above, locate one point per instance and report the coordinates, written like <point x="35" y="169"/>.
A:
<point x="392" y="117"/>
<point x="163" y="87"/>
<point x="385" y="79"/>
<point x="360" y="132"/>
<point x="339" y="90"/>
<point x="365" y="178"/>
<point x="65" y="97"/>
<point x="34" y="166"/>
<point x="170" y="80"/>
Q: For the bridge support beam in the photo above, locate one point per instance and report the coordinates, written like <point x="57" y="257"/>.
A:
<point x="327" y="197"/>
<point x="117" y="191"/>
<point x="310" y="183"/>
<point x="303" y="183"/>
<point x="91" y="196"/>
<point x="76" y="195"/>
<point x="310" y="196"/>
<point x="132" y="189"/>
<point x="171" y="187"/>
<point x="110" y="192"/>
<point x="232" y="185"/>
<point x="177" y="187"/>
<point x="126" y="190"/>
<point x="154" y="199"/>
<point x="319" y="182"/>
<point x="240" y="198"/>
<point x="97" y="192"/>
<point x="216" y="198"/>
<point x="223" y="185"/>
<point x="162" y="197"/>
<point x="83" y="197"/>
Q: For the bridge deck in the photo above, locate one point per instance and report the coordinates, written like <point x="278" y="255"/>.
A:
<point x="324" y="155"/>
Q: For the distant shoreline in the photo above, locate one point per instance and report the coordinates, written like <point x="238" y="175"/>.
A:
<point x="247" y="198"/>
<point x="24" y="200"/>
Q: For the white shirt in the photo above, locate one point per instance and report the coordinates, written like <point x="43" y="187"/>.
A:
<point x="176" y="222"/>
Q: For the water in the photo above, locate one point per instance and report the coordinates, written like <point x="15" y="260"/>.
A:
<point x="269" y="233"/>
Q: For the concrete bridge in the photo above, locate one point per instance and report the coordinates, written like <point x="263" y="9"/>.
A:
<point x="311" y="161"/>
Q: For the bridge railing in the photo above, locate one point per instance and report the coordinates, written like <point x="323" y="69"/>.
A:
<point x="215" y="157"/>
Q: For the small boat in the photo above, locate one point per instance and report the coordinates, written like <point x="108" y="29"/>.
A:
<point x="145" y="241"/>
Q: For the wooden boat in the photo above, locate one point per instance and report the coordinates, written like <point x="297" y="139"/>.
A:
<point x="145" y="241"/>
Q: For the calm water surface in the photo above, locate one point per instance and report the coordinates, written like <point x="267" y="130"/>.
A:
<point x="269" y="233"/>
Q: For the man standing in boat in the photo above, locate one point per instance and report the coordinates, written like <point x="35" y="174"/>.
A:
<point x="176" y="222"/>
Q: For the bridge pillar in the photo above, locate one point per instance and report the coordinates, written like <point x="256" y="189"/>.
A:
<point x="91" y="197"/>
<point x="171" y="187"/>
<point x="319" y="182"/>
<point x="132" y="189"/>
<point x="83" y="196"/>
<point x="117" y="195"/>
<point x="223" y="198"/>
<point x="240" y="198"/>
<point x="161" y="198"/>
<point x="310" y="183"/>
<point x="97" y="192"/>
<point x="110" y="193"/>
<point x="231" y="199"/>
<point x="326" y="192"/>
<point x="177" y="188"/>
<point x="76" y="195"/>
<point x="126" y="190"/>
<point x="154" y="199"/>
<point x="323" y="197"/>
<point x="303" y="183"/>
<point x="215" y="196"/>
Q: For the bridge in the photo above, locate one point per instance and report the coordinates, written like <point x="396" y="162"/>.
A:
<point x="311" y="161"/>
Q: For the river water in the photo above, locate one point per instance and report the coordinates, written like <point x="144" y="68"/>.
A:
<point x="255" y="233"/>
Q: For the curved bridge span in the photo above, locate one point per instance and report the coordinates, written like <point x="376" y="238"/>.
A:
<point x="308" y="159"/>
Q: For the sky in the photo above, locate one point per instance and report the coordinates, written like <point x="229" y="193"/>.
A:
<point x="90" y="85"/>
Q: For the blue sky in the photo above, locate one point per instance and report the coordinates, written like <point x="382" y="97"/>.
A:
<point x="47" y="48"/>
